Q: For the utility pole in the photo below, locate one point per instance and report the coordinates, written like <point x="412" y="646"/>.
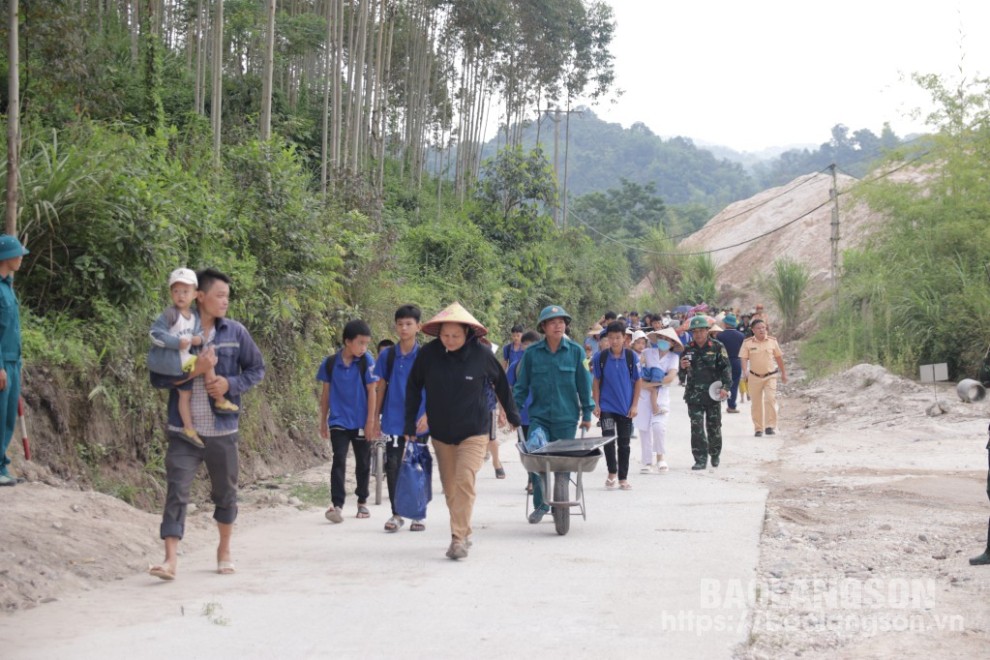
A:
<point x="554" y="116"/>
<point x="561" y="218"/>
<point x="833" y="194"/>
<point x="556" y="159"/>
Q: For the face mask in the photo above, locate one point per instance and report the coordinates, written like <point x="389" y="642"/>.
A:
<point x="663" y="345"/>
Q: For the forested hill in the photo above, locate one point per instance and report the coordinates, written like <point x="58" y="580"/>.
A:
<point x="601" y="154"/>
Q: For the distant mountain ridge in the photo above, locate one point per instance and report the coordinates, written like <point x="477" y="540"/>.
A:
<point x="601" y="154"/>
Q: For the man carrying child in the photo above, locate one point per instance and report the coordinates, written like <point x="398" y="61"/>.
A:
<point x="174" y="333"/>
<point x="232" y="356"/>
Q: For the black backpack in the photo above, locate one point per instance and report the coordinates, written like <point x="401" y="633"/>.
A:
<point x="603" y="358"/>
<point x="389" y="366"/>
<point x="362" y="361"/>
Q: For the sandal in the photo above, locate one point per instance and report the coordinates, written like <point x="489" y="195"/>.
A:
<point x="417" y="526"/>
<point x="394" y="523"/>
<point x="500" y="473"/>
<point x="610" y="484"/>
<point x="162" y="571"/>
<point x="363" y="512"/>
<point x="625" y="485"/>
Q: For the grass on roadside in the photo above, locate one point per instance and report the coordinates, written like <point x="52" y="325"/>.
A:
<point x="311" y="494"/>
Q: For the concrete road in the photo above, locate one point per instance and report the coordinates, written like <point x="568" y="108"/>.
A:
<point x="660" y="570"/>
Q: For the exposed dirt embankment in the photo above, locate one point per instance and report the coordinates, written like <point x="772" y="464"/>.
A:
<point x="108" y="435"/>
<point x="874" y="509"/>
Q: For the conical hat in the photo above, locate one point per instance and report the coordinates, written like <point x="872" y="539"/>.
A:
<point x="454" y="313"/>
<point x="668" y="334"/>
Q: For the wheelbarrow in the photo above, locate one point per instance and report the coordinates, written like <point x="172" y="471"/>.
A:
<point x="563" y="458"/>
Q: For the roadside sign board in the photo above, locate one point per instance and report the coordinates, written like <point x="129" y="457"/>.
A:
<point x="931" y="373"/>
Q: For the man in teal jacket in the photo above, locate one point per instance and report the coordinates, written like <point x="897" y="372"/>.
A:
<point x="553" y="371"/>
<point x="11" y="255"/>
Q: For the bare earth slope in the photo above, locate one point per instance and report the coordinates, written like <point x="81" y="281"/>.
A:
<point x="792" y="221"/>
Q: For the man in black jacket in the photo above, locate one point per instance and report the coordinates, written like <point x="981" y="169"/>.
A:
<point x="456" y="373"/>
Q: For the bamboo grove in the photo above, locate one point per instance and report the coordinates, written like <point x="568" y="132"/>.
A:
<point x="409" y="80"/>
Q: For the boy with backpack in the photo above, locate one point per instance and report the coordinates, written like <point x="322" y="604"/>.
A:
<point x="392" y="369"/>
<point x="615" y="389"/>
<point x="348" y="404"/>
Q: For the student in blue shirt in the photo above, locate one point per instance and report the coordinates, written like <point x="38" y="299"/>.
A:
<point x="348" y="404"/>
<point x="512" y="352"/>
<point x="615" y="389"/>
<point x="392" y="370"/>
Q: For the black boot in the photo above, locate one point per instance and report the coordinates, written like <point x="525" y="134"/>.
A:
<point x="700" y="464"/>
<point x="981" y="560"/>
<point x="984" y="559"/>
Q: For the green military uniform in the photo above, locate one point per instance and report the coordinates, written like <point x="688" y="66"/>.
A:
<point x="709" y="363"/>
<point x="561" y="388"/>
<point x="10" y="354"/>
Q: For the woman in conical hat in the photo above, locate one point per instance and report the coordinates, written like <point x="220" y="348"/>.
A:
<point x="454" y="313"/>
<point x="455" y="373"/>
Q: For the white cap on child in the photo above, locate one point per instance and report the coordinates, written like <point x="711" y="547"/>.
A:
<point x="184" y="275"/>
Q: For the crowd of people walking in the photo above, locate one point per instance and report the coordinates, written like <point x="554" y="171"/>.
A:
<point x="454" y="392"/>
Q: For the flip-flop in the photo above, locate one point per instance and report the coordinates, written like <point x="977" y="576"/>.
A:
<point x="625" y="486"/>
<point x="610" y="484"/>
<point x="161" y="572"/>
<point x="363" y="512"/>
<point x="417" y="526"/>
<point x="225" y="567"/>
<point x="500" y="473"/>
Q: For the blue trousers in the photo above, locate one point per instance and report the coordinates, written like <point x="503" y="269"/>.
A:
<point x="8" y="409"/>
<point x="736" y="365"/>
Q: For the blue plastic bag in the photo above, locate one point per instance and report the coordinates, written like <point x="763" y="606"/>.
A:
<point x="537" y="438"/>
<point x="414" y="484"/>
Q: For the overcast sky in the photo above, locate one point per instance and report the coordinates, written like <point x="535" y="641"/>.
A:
<point x="765" y="73"/>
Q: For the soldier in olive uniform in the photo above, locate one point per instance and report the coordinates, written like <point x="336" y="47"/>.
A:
<point x="705" y="361"/>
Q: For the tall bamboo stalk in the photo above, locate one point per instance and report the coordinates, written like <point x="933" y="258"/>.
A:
<point x="269" y="66"/>
<point x="216" y="111"/>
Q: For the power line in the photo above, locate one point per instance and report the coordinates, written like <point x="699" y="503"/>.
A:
<point x="713" y="250"/>
<point x="755" y="238"/>
<point x="809" y="179"/>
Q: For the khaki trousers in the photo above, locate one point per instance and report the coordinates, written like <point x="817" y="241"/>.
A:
<point x="763" y="394"/>
<point x="458" y="466"/>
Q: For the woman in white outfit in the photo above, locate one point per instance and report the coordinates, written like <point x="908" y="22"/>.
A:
<point x="653" y="427"/>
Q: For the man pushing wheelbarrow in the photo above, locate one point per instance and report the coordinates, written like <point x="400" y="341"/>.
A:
<point x="553" y="371"/>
